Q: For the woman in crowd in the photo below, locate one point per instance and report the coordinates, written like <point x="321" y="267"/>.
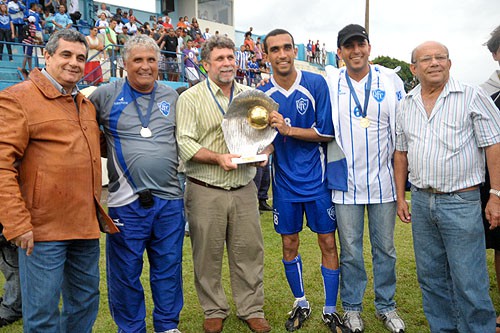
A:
<point x="6" y="30"/>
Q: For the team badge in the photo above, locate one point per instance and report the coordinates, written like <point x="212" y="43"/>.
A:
<point x="302" y="105"/>
<point x="164" y="107"/>
<point x="399" y="95"/>
<point x="379" y="95"/>
<point x="331" y="213"/>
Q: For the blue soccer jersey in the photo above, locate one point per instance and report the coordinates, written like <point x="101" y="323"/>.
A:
<point x="299" y="166"/>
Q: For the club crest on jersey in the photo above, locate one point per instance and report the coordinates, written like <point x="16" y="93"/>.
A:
<point x="302" y="105"/>
<point x="379" y="95"/>
<point x="331" y="213"/>
<point x="164" y="107"/>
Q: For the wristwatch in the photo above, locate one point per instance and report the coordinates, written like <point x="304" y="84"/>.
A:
<point x="495" y="192"/>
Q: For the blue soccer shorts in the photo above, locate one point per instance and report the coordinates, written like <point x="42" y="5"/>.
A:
<point x="288" y="217"/>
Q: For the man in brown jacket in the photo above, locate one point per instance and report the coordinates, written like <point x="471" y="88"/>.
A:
<point x="50" y="185"/>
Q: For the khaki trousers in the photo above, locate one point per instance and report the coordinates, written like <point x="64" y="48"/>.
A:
<point x="219" y="218"/>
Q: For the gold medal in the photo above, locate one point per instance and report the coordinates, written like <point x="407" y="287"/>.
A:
<point x="364" y="122"/>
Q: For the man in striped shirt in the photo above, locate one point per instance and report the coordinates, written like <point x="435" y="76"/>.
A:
<point x="221" y="199"/>
<point x="443" y="131"/>
<point x="364" y="102"/>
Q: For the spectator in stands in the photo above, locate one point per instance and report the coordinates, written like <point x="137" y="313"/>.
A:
<point x="122" y="39"/>
<point x="169" y="45"/>
<point x="93" y="71"/>
<point x="157" y="34"/>
<point x="318" y="52"/>
<point x="195" y="29"/>
<point x="323" y="55"/>
<point x="258" y="51"/>
<point x="7" y="33"/>
<point x="198" y="41"/>
<point x="30" y="39"/>
<point x="309" y="51"/>
<point x="61" y="19"/>
<point x="32" y="11"/>
<point x="187" y="23"/>
<point x="110" y="38"/>
<point x="104" y="10"/>
<point x="49" y="21"/>
<point x="125" y="18"/>
<point x="241" y="64"/>
<point x="102" y="23"/>
<point x="118" y="15"/>
<point x="249" y="43"/>
<point x="252" y="69"/>
<point x="16" y="10"/>
<point x="207" y="34"/>
<point x="185" y="37"/>
<point x="131" y="26"/>
<point x="73" y="7"/>
<point x="167" y="22"/>
<point x="130" y="14"/>
<point x="181" y="23"/>
<point x="119" y="26"/>
<point x="146" y="29"/>
<point x="53" y="5"/>
<point x="191" y="64"/>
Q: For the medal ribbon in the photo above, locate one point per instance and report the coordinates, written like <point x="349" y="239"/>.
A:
<point x="144" y="119"/>
<point x="368" y="86"/>
<point x="215" y="99"/>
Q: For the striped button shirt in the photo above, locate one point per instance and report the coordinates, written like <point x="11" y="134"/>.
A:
<point x="199" y="126"/>
<point x="445" y="150"/>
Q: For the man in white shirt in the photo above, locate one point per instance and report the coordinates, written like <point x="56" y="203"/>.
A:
<point x="365" y="99"/>
<point x="443" y="131"/>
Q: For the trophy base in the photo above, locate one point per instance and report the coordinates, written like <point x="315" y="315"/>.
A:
<point x="249" y="159"/>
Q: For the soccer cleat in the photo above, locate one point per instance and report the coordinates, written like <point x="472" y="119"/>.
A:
<point x="334" y="323"/>
<point x="352" y="320"/>
<point x="297" y="317"/>
<point x="392" y="321"/>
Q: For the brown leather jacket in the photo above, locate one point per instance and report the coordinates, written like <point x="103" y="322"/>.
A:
<point x="50" y="166"/>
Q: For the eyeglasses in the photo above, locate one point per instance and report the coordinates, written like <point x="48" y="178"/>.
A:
<point x="438" y="57"/>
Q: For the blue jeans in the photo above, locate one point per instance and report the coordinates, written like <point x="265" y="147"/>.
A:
<point x="350" y="224"/>
<point x="159" y="230"/>
<point x="10" y="306"/>
<point x="54" y="269"/>
<point x="448" y="239"/>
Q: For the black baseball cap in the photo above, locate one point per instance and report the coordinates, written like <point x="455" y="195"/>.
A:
<point x="349" y="31"/>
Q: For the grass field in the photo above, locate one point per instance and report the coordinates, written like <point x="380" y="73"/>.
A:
<point x="278" y="296"/>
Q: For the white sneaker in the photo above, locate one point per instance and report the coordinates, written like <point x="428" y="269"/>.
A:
<point x="392" y="321"/>
<point x="175" y="330"/>
<point x="352" y="320"/>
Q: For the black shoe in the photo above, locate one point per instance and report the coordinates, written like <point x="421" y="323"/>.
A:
<point x="297" y="318"/>
<point x="6" y="322"/>
<point x="334" y="323"/>
<point x="263" y="206"/>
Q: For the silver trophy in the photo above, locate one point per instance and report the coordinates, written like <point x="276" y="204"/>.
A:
<point x="246" y="126"/>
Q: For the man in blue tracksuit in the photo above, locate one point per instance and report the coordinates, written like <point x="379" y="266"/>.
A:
<point x="145" y="198"/>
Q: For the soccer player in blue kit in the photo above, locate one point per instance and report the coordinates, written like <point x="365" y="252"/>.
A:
<point x="304" y="124"/>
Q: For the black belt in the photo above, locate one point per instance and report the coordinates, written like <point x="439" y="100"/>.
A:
<point x="199" y="182"/>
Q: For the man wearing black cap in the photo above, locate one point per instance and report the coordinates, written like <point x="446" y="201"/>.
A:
<point x="360" y="174"/>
